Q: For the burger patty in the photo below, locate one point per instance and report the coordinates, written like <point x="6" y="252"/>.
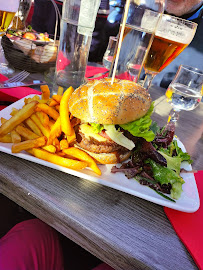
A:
<point x="97" y="147"/>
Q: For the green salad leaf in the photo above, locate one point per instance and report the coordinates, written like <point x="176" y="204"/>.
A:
<point x="184" y="156"/>
<point x="164" y="175"/>
<point x="97" y="128"/>
<point x="173" y="163"/>
<point x="141" y="127"/>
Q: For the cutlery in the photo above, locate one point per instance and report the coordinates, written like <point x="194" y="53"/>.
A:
<point x="19" y="84"/>
<point x="18" y="77"/>
<point x="98" y="75"/>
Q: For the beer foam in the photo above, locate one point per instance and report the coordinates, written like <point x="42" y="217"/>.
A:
<point x="10" y="6"/>
<point x="175" y="31"/>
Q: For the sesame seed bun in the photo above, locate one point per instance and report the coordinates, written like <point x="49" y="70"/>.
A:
<point x="100" y="102"/>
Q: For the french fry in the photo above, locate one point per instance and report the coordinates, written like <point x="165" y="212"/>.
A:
<point x="57" y="108"/>
<point x="43" y="117"/>
<point x="72" y="137"/>
<point x="18" y="118"/>
<point x="64" y="112"/>
<point x="45" y="130"/>
<point x="3" y="120"/>
<point x="43" y="101"/>
<point x="28" y="100"/>
<point x="56" y="143"/>
<point x="53" y="103"/>
<point x="31" y="124"/>
<point x="61" y="161"/>
<point x="25" y="145"/>
<point x="14" y="111"/>
<point x="81" y="155"/>
<point x="6" y="138"/>
<point x="48" y="110"/>
<point x="57" y="98"/>
<point x="16" y="138"/>
<point x="45" y="92"/>
<point x="26" y="133"/>
<point x="61" y="154"/>
<point x="60" y="91"/>
<point x="55" y="131"/>
<point x="51" y="123"/>
<point x="36" y="97"/>
<point x="64" y="144"/>
<point x="49" y="148"/>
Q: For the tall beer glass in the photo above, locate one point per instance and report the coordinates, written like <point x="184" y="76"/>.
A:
<point x="172" y="36"/>
<point x="8" y="8"/>
<point x="141" y="23"/>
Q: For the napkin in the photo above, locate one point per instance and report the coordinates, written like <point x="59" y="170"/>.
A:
<point x="91" y="71"/>
<point x="13" y="94"/>
<point x="189" y="226"/>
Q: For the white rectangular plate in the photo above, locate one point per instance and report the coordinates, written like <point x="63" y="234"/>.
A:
<point x="188" y="202"/>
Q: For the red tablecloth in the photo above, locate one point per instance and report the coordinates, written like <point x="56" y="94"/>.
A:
<point x="189" y="226"/>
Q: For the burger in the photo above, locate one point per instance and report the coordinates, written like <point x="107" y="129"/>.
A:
<point x="112" y="117"/>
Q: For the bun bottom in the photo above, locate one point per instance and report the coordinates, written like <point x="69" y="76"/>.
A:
<point x="108" y="158"/>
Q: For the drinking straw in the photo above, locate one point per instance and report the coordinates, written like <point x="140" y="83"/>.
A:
<point x="120" y="39"/>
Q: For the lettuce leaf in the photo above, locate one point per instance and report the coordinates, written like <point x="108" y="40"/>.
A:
<point x="141" y="127"/>
<point x="173" y="163"/>
<point x="97" y="128"/>
<point x="164" y="175"/>
<point x="184" y="156"/>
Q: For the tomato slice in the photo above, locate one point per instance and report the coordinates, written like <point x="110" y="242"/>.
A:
<point x="103" y="134"/>
<point x="30" y="36"/>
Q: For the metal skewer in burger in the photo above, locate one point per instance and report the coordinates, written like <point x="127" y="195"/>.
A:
<point x="112" y="117"/>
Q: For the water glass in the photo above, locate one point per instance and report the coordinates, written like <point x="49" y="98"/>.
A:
<point x="109" y="53"/>
<point x="185" y="91"/>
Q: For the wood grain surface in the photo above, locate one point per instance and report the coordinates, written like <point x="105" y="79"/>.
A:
<point x="124" y="231"/>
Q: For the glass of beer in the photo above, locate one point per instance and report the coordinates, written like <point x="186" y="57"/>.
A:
<point x="8" y="9"/>
<point x="172" y="36"/>
<point x="140" y="25"/>
<point x="185" y="91"/>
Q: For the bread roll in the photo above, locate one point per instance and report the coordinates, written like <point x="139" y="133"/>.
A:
<point x="100" y="102"/>
<point x="25" y="45"/>
<point x="44" y="54"/>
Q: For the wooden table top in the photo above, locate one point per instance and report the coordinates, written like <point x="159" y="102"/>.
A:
<point x="124" y="231"/>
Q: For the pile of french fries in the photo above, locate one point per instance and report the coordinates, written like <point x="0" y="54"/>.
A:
<point x="45" y="128"/>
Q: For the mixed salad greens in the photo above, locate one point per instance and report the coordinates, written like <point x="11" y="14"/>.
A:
<point x="156" y="157"/>
<point x="28" y="33"/>
<point x="157" y="164"/>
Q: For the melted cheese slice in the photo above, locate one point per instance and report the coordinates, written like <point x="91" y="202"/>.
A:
<point x="88" y="131"/>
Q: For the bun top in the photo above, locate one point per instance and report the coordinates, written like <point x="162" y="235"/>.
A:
<point x="100" y="102"/>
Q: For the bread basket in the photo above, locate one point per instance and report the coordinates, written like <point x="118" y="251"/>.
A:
<point x="31" y="55"/>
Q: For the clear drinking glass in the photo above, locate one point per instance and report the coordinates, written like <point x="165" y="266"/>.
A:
<point x="172" y="36"/>
<point x="77" y="25"/>
<point x="8" y="8"/>
<point x="109" y="53"/>
<point x="141" y="22"/>
<point x="185" y="91"/>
